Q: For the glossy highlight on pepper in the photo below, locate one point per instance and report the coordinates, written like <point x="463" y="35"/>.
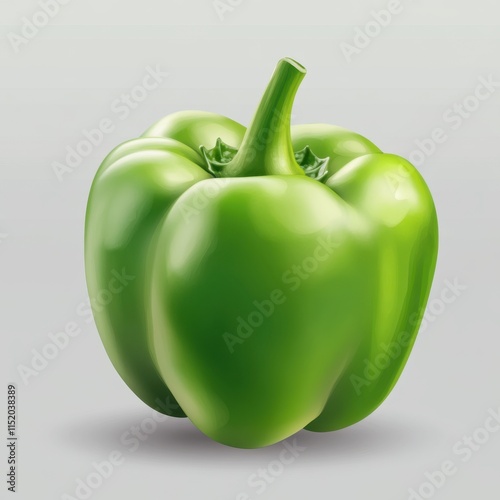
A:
<point x="280" y="272"/>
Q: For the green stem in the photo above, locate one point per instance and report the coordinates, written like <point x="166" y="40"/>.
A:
<point x="267" y="146"/>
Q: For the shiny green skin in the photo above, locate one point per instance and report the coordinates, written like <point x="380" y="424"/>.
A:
<point x="204" y="250"/>
<point x="132" y="191"/>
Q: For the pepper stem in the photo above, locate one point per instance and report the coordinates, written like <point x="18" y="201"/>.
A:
<point x="267" y="145"/>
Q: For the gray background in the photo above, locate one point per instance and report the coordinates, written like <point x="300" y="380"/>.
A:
<point x="395" y="91"/>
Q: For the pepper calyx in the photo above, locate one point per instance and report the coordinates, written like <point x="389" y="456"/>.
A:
<point x="313" y="166"/>
<point x="217" y="157"/>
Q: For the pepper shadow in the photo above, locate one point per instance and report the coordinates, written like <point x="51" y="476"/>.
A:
<point x="179" y="439"/>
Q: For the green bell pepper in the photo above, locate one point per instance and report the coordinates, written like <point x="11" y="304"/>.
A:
<point x="278" y="274"/>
